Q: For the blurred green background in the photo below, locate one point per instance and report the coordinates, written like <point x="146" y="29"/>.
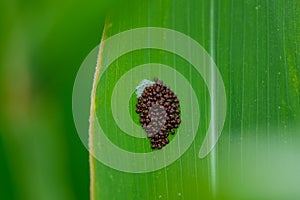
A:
<point x="42" y="46"/>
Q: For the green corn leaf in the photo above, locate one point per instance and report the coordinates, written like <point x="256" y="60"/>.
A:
<point x="253" y="46"/>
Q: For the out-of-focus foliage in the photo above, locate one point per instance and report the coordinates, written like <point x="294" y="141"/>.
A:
<point x="42" y="44"/>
